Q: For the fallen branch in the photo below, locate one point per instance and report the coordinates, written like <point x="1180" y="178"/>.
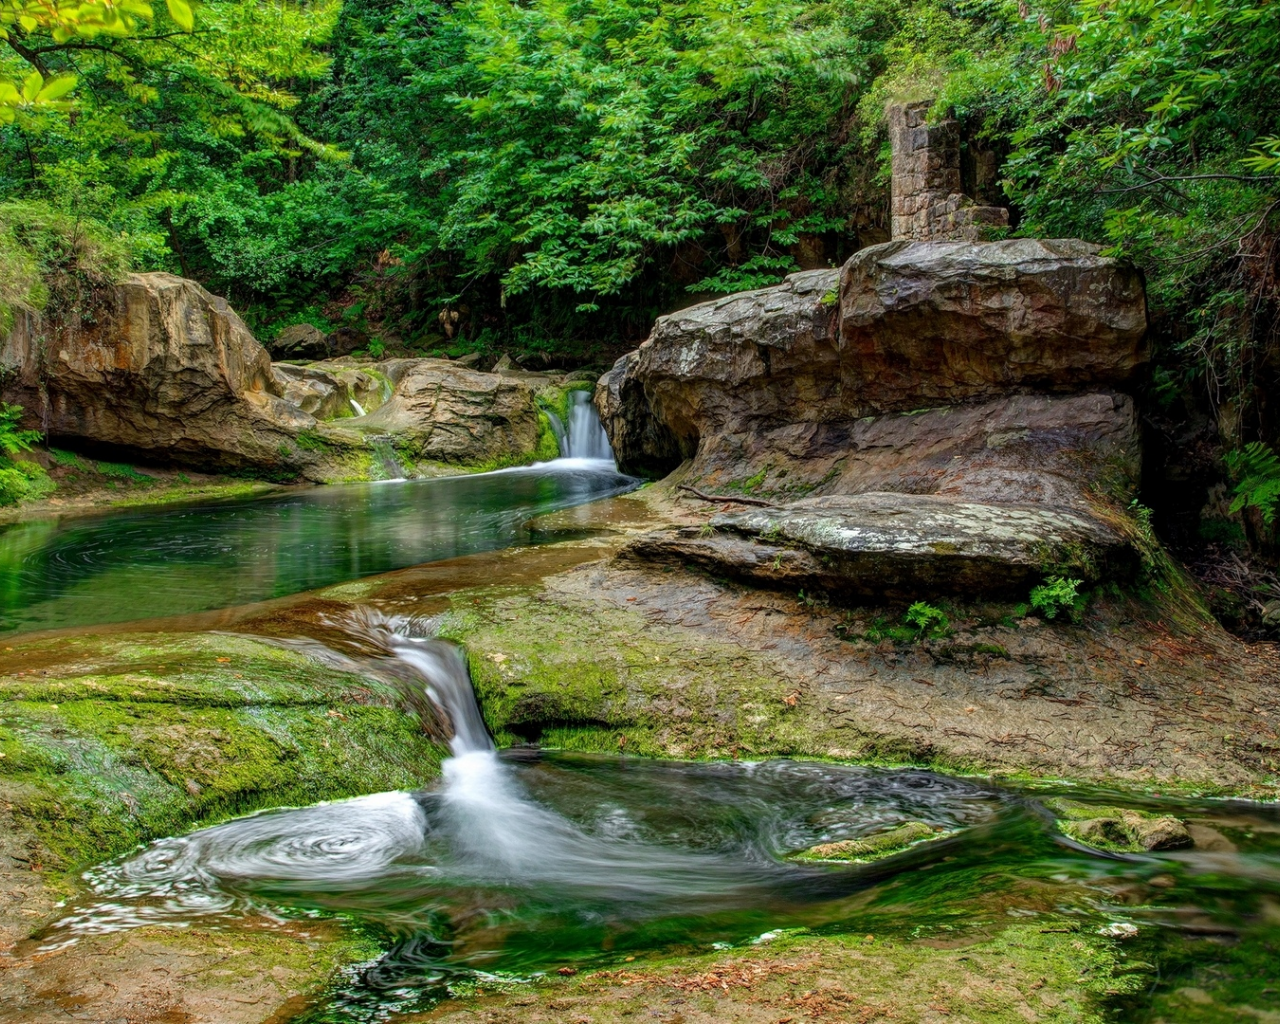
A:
<point x="724" y="497"/>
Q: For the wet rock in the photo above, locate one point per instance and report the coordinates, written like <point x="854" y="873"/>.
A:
<point x="330" y="393"/>
<point x="898" y="545"/>
<point x="156" y="365"/>
<point x="345" y="340"/>
<point x="873" y="847"/>
<point x="642" y="444"/>
<point x="441" y="412"/>
<point x="301" y="341"/>
<point x="754" y="360"/>
<point x="1051" y="449"/>
<point x="947" y="322"/>
<point x="1163" y="833"/>
<point x="1120" y="829"/>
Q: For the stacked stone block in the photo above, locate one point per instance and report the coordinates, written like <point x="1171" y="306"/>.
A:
<point x="928" y="201"/>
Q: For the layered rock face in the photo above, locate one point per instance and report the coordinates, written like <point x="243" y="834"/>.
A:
<point x="163" y="370"/>
<point x="161" y="367"/>
<point x="936" y="416"/>
<point x="443" y="413"/>
<point x="948" y="322"/>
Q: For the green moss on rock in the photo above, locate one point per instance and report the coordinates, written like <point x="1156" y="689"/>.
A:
<point x="1118" y="829"/>
<point x="118" y="742"/>
<point x="873" y="847"/>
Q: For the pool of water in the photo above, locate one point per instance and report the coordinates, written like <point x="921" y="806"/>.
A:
<point x="127" y="566"/>
<point x="525" y="860"/>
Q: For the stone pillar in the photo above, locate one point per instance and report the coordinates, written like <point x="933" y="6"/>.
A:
<point x="928" y="204"/>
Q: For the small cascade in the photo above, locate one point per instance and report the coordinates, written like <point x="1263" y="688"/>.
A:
<point x="562" y="436"/>
<point x="585" y="437"/>
<point x="359" y="409"/>
<point x="385" y="458"/>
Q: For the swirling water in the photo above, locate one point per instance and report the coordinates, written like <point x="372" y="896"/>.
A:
<point x="520" y="860"/>
<point x="524" y="859"/>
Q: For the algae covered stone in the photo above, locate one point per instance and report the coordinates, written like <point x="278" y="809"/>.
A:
<point x="876" y="846"/>
<point x="1119" y="829"/>
<point x="109" y="742"/>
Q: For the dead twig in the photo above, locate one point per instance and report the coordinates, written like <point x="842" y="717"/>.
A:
<point x="724" y="497"/>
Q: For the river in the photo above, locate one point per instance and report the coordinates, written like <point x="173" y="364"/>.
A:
<point x="523" y="859"/>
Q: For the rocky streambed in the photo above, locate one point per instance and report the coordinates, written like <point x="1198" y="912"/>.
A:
<point x="886" y="704"/>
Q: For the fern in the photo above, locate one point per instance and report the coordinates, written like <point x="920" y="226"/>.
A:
<point x="1256" y="469"/>
<point x="13" y="440"/>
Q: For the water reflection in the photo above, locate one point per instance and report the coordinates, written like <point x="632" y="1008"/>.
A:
<point x="149" y="563"/>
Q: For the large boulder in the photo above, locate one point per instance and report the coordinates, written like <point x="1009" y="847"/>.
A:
<point x="939" y="323"/>
<point x="753" y="359"/>
<point x="440" y="412"/>
<point x="935" y="417"/>
<point x="904" y="326"/>
<point x="301" y="341"/>
<point x="156" y="366"/>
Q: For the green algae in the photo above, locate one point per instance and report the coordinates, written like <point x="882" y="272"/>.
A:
<point x="135" y="740"/>
<point x="874" y="847"/>
<point x="612" y="683"/>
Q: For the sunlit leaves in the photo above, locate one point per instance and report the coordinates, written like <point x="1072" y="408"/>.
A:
<point x="62" y="21"/>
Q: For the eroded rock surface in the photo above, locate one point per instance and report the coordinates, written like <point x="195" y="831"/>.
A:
<point x="160" y="367"/>
<point x="898" y="546"/>
<point x="957" y="406"/>
<point x="164" y="371"/>
<point x="444" y="413"/>
<point x="947" y="322"/>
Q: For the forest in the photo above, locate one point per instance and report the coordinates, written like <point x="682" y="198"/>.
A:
<point x="543" y="178"/>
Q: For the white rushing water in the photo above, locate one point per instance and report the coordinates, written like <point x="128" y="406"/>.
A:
<point x="481" y="847"/>
<point x="585" y="436"/>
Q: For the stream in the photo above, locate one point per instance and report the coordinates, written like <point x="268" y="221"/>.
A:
<point x="520" y="861"/>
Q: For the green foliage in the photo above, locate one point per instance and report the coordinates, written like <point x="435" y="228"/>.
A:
<point x="1056" y="595"/>
<point x="1151" y="126"/>
<point x="22" y="481"/>
<point x="1256" y="471"/>
<point x="927" y="621"/>
<point x="12" y="438"/>
<point x="47" y="255"/>
<point x="122" y="471"/>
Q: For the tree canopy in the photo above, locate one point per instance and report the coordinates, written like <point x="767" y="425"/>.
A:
<point x="553" y="173"/>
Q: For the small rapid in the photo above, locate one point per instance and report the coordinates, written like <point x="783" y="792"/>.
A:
<point x="516" y="861"/>
<point x="481" y="839"/>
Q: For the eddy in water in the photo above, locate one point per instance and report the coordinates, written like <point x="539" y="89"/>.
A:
<point x="542" y="844"/>
<point x="518" y="861"/>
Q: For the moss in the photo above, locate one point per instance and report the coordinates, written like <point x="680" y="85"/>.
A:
<point x="132" y="740"/>
<point x="873" y="847"/>
<point x="592" y="677"/>
<point x="548" y="447"/>
<point x="1118" y="829"/>
<point x="1047" y="972"/>
<point x="311" y="441"/>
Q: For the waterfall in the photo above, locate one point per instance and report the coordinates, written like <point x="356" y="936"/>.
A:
<point x="585" y="437"/>
<point x="386" y="457"/>
<point x="557" y="428"/>
<point x="478" y="830"/>
<point x="358" y="408"/>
